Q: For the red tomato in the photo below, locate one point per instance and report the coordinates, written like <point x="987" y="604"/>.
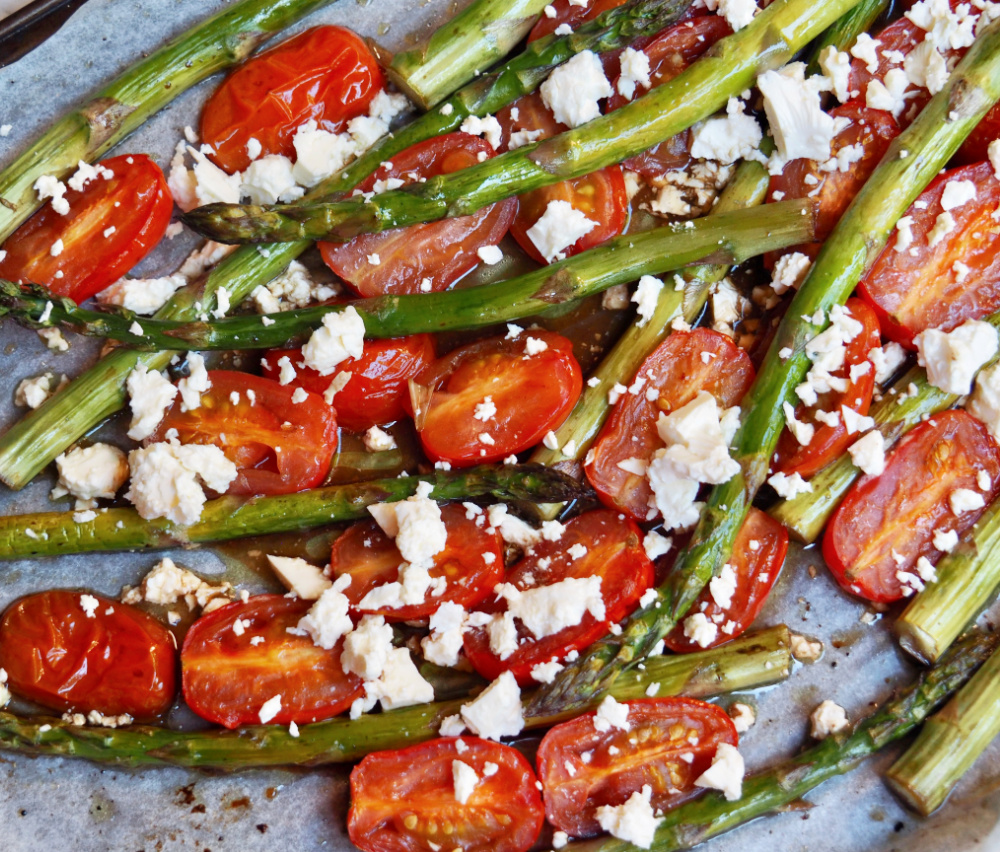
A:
<point x="112" y="224"/>
<point x="758" y="554"/>
<point x="532" y="395"/>
<point x="612" y="551"/>
<point x="571" y="14"/>
<point x="404" y="801"/>
<point x="279" y="446"/>
<point x="439" y="252"/>
<point x="887" y="522"/>
<point x="975" y="148"/>
<point x="926" y="287"/>
<point x="829" y="442"/>
<point x="670" y="53"/>
<point x="326" y="74"/>
<point x="600" y="196"/>
<point x="669" y="743"/>
<point x="472" y="563"/>
<point x="676" y="369"/>
<point x="118" y="660"/>
<point x="227" y="678"/>
<point x="378" y="386"/>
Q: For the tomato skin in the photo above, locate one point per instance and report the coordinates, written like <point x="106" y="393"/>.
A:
<point x="648" y="753"/>
<point x="326" y="74"/>
<point x="829" y="442"/>
<point x="371" y="558"/>
<point x="532" y="394"/>
<point x="272" y="458"/>
<point x="441" y="251"/>
<point x="378" y="388"/>
<point x="400" y="799"/>
<point x="614" y="552"/>
<point x="571" y="14"/>
<point x="226" y="679"/>
<point x="975" y="148"/>
<point x="630" y="431"/>
<point x="59" y="657"/>
<point x="900" y="509"/>
<point x="911" y="293"/>
<point x="89" y="261"/>
<point x="756" y="573"/>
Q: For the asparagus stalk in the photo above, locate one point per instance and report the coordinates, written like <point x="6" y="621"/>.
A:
<point x="751" y="661"/>
<point x="227" y="518"/>
<point x="967" y="580"/>
<point x="485" y="32"/>
<point x="37" y="439"/>
<point x="854" y="244"/>
<point x="846" y="30"/>
<point x="727" y="237"/>
<point x="769" y="41"/>
<point x="949" y="742"/>
<point x="220" y="42"/>
<point x="768" y="791"/>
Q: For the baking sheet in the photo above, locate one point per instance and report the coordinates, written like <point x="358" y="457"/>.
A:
<point x="54" y="803"/>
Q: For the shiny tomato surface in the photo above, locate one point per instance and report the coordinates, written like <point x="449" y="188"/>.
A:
<point x="758" y="554"/>
<point x="379" y="384"/>
<point x="112" y="224"/>
<point x="678" y="371"/>
<point x="326" y="74"/>
<point x="116" y="660"/>
<point x="427" y="257"/>
<point x="471" y="563"/>
<point x="887" y="522"/>
<point x="830" y="442"/>
<point x="278" y="445"/>
<point x="532" y="395"/>
<point x="595" y="544"/>
<point x="669" y="743"/>
<point x="228" y="674"/>
<point x="404" y="800"/>
<point x="944" y="285"/>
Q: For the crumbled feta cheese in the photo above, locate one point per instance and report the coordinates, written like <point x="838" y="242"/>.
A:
<point x="53" y="339"/>
<point x="806" y="650"/>
<point x="700" y="630"/>
<point x="634" y="822"/>
<point x="341" y="336"/>
<point x="376" y="440"/>
<point x="743" y="717"/>
<point x="947" y="29"/>
<point x="855" y="422"/>
<point x="512" y="529"/>
<point x="953" y="358"/>
<point x="723" y="587"/>
<point x="963" y="500"/>
<point x="957" y="193"/>
<point x="31" y="393"/>
<point x="487" y="127"/>
<point x="865" y="50"/>
<point x="367" y="648"/>
<point x="485" y="410"/>
<point x="828" y="718"/>
<point x="89" y="473"/>
<point x="887" y="360"/>
<point x="293" y="288"/>
<point x="327" y="620"/>
<point x="416" y="526"/>
<point x="926" y="67"/>
<point x="150" y="395"/>
<point x="572" y="90"/>
<point x="269" y="709"/>
<point x="166" y="479"/>
<point x="443" y="644"/>
<point x="89" y="604"/>
<point x="634" y="72"/>
<point x="725" y="773"/>
<point x="497" y="711"/>
<point x="167" y="583"/>
<point x="306" y="581"/>
<point x="787" y="486"/>
<point x="490" y="255"/>
<point x="836" y="65"/>
<point x="558" y="228"/>
<point x="985" y="400"/>
<point x="868" y="453"/>
<point x="465" y="780"/>
<point x="945" y="540"/>
<point x="727" y="139"/>
<point x="143" y="296"/>
<point x="943" y="225"/>
<point x="656" y="545"/>
<point x="993" y="151"/>
<point x="545" y="610"/>
<point x="195" y="384"/>
<point x="647" y="294"/>
<point x="611" y="714"/>
<point x="270" y="180"/>
<point x="48" y="186"/>
<point x="789" y="272"/>
<point x="803" y="432"/>
<point x="546" y="672"/>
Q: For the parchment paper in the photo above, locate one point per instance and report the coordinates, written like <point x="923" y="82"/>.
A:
<point x="61" y="804"/>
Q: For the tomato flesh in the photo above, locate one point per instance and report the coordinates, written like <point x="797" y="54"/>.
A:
<point x="532" y="395"/>
<point x="758" y="554"/>
<point x="926" y="286"/>
<point x="669" y="743"/>
<point x="112" y="224"/>
<point x="404" y="800"/>
<point x="118" y="660"/>
<point x="976" y="146"/>
<point x="279" y="446"/>
<point x="428" y="257"/>
<point x="829" y="442"/>
<point x="612" y="551"/>
<point x="378" y="388"/>
<point x="887" y="522"/>
<point x="678" y="371"/>
<point x="326" y="74"/>
<point x="227" y="677"/>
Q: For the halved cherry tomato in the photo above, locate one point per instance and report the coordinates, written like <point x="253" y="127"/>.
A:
<point x="678" y="370"/>
<point x="279" y="446"/>
<point x="669" y="743"/>
<point x="887" y="522"/>
<point x="612" y="550"/>
<point x="112" y="224"/>
<point x="829" y="442"/>
<point x="326" y="74"/>
<point x="532" y="395"/>
<point x="944" y="285"/>
<point x="227" y="675"/>
<point x="378" y="387"/>
<point x="976" y="146"/>
<point x="600" y="196"/>
<point x="404" y="260"/>
<point x="472" y="563"/>
<point x="758" y="554"/>
<point x="116" y="660"/>
<point x="571" y="14"/>
<point x="404" y="801"/>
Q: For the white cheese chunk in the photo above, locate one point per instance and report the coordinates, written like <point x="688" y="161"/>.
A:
<point x="789" y="272"/>
<point x="306" y="581"/>
<point x="634" y="822"/>
<point x="611" y="714"/>
<point x="447" y="624"/>
<point x="488" y="127"/>
<point x="647" y="294"/>
<point x="727" y="139"/>
<point x="270" y="180"/>
<point x="545" y="610"/>
<point x="378" y="441"/>
<point x="953" y="358"/>
<point x="558" y="228"/>
<point x="836" y="65"/>
<point x="91" y="473"/>
<point x="985" y="401"/>
<point x="327" y="620"/>
<point x="963" y="500"/>
<point x="367" y="648"/>
<point x="945" y="540"/>
<point x="341" y="336"/>
<point x="868" y="453"/>
<point x="957" y="193"/>
<point x="725" y="773"/>
<point x="150" y="395"/>
<point x="573" y="90"/>
<point x="787" y="486"/>
<point x="465" y="779"/>
<point x="496" y="712"/>
<point x="634" y="72"/>
<point x="269" y="709"/>
<point x="743" y="717"/>
<point x="828" y="718"/>
<point x="194" y="384"/>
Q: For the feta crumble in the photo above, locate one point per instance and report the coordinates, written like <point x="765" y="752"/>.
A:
<point x="558" y="228"/>
<point x="828" y="718"/>
<point x="572" y="90"/>
<point x="341" y="336"/>
<point x="496" y="712"/>
<point x="953" y="358"/>
<point x="725" y="773"/>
